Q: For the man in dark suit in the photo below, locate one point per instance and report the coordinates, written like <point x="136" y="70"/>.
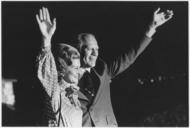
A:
<point x="94" y="85"/>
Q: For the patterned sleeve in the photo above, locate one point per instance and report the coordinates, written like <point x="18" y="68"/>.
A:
<point x="47" y="72"/>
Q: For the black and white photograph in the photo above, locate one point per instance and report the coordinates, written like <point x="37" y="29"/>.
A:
<point x="95" y="63"/>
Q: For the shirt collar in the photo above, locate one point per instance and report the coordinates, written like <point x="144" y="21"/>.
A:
<point x="65" y="84"/>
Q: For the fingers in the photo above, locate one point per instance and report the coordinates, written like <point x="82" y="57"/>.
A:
<point x="54" y="23"/>
<point x="48" y="16"/>
<point x="41" y="15"/>
<point x="38" y="20"/>
<point x="168" y="11"/>
<point x="53" y="27"/>
<point x="169" y="17"/>
<point x="157" y="11"/>
<point x="44" y="13"/>
<point x="164" y="15"/>
<point x="169" y="14"/>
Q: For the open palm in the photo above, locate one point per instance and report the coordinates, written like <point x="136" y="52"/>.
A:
<point x="162" y="17"/>
<point x="47" y="28"/>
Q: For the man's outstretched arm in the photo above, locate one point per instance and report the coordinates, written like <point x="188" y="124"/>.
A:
<point x="125" y="60"/>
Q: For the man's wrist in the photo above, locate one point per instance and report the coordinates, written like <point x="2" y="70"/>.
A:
<point x="151" y="31"/>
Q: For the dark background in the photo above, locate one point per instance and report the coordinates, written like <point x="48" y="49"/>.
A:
<point x="117" y="26"/>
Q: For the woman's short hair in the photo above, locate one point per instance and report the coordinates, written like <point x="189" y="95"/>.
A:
<point x="64" y="54"/>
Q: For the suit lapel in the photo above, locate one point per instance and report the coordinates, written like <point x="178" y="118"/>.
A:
<point x="82" y="96"/>
<point x="99" y="81"/>
<point x="99" y="84"/>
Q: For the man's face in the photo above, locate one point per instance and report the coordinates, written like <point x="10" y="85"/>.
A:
<point x="72" y="72"/>
<point x="90" y="53"/>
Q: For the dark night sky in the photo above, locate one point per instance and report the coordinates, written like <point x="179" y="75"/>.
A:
<point x="117" y="26"/>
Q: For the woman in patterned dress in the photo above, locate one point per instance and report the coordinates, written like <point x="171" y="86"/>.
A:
<point x="59" y="75"/>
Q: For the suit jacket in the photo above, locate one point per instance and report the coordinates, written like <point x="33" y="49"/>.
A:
<point x="101" y="111"/>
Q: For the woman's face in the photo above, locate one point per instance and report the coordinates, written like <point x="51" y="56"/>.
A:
<point x="72" y="72"/>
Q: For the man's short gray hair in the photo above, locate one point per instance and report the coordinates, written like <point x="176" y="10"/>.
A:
<point x="82" y="40"/>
